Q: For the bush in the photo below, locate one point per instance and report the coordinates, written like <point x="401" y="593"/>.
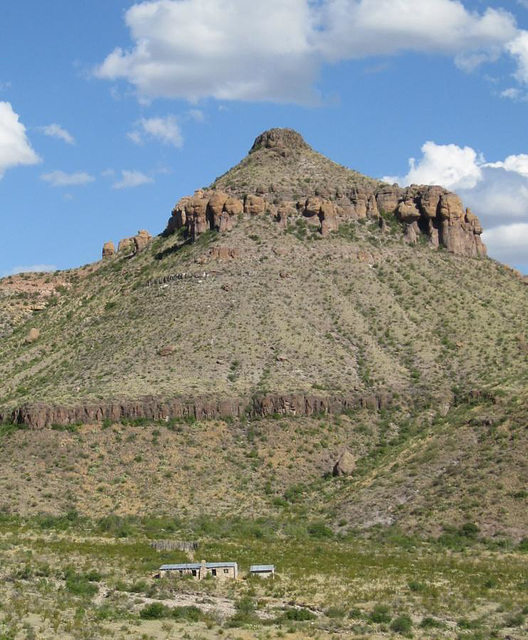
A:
<point x="320" y="530"/>
<point x="431" y="623"/>
<point x="245" y="606"/>
<point x="80" y="585"/>
<point x="154" y="611"/>
<point x="299" y="615"/>
<point x="381" y="614"/>
<point x="402" y="624"/>
<point x="191" y="614"/>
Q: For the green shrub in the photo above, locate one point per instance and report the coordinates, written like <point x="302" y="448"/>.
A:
<point x="381" y="614"/>
<point x="320" y="530"/>
<point x="299" y="615"/>
<point x="402" y="624"/>
<point x="431" y="623"/>
<point x="154" y="611"/>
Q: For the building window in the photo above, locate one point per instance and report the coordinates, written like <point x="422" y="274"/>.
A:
<point x="213" y="571"/>
<point x="226" y="570"/>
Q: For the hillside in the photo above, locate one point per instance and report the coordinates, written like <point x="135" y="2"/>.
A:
<point x="290" y="289"/>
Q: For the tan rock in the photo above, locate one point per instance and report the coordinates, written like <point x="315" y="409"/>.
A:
<point x="234" y="206"/>
<point x="108" y="250"/>
<point x="32" y="336"/>
<point x="141" y="240"/>
<point x="430" y="200"/>
<point x="126" y="245"/>
<point x="372" y="207"/>
<point x="254" y="205"/>
<point x="328" y="216"/>
<point x="167" y="350"/>
<point x="284" y="212"/>
<point x="224" y="253"/>
<point x="359" y="202"/>
<point x="388" y="199"/>
<point x="312" y="207"/>
<point x="216" y="208"/>
<point x="345" y="465"/>
<point x="408" y="212"/>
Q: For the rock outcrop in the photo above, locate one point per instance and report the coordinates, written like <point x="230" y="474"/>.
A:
<point x="331" y="195"/>
<point x="41" y="416"/>
<point x="128" y="246"/>
<point x="108" y="250"/>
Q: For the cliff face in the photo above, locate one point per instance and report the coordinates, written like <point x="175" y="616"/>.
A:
<point x="285" y="179"/>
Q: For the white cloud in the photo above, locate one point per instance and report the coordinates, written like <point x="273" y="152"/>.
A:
<point x="63" y="179"/>
<point x="496" y="191"/>
<point x="131" y="179"/>
<point x="56" y="131"/>
<point x="166" y="130"/>
<point x="35" y="268"/>
<point x="15" y="148"/>
<point x="451" y="166"/>
<point x="240" y="50"/>
<point x="508" y="243"/>
<point x="372" y="27"/>
<point x="196" y="114"/>
<point x="517" y="164"/>
<point x="513" y="93"/>
<point x="518" y="48"/>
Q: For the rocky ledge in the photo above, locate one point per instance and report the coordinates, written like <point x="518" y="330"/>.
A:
<point x="41" y="416"/>
<point x="430" y="212"/>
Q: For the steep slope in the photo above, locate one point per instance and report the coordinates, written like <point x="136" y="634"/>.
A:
<point x="291" y="289"/>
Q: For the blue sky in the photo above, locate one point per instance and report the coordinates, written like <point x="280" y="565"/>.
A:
<point x="111" y="111"/>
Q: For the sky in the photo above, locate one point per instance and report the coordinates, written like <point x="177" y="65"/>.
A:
<point x="112" y="111"/>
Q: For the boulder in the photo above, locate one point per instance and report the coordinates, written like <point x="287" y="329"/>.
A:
<point x="32" y="336"/>
<point x="216" y="208"/>
<point x="254" y="205"/>
<point x="408" y="212"/>
<point x="429" y="201"/>
<point x="126" y="245"/>
<point x="233" y="206"/>
<point x="328" y="217"/>
<point x="345" y="465"/>
<point x="166" y="350"/>
<point x="284" y="211"/>
<point x="141" y="240"/>
<point x="388" y="199"/>
<point x="108" y="250"/>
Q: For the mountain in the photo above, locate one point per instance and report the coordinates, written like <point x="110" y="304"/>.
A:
<point x="297" y="309"/>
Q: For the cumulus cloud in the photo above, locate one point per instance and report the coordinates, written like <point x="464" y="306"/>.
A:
<point x="449" y="165"/>
<point x="372" y="27"/>
<point x="240" y="50"/>
<point x="63" y="179"/>
<point x="228" y="49"/>
<point x="518" y="48"/>
<point x="130" y="179"/>
<point x="496" y="191"/>
<point x="508" y="243"/>
<point x="15" y="148"/>
<point x="166" y="130"/>
<point x="56" y="131"/>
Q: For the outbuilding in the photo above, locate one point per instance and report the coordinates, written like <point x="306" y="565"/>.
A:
<point x="262" y="570"/>
<point x="201" y="570"/>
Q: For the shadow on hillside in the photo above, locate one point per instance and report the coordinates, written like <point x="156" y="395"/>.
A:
<point x="173" y="249"/>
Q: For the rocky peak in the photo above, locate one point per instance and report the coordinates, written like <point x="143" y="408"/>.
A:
<point x="284" y="141"/>
<point x="286" y="179"/>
